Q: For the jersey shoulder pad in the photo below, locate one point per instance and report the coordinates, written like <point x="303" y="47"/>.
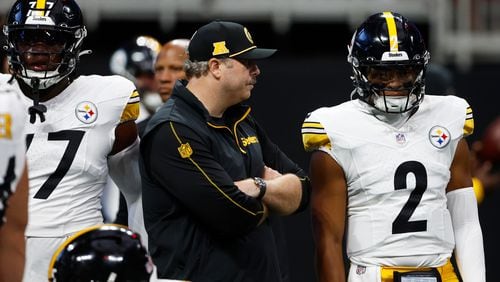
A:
<point x="314" y="135"/>
<point x="119" y="89"/>
<point x="463" y="111"/>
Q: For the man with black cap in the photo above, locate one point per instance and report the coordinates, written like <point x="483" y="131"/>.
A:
<point x="211" y="176"/>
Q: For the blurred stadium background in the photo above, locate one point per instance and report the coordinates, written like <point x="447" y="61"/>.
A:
<point x="310" y="69"/>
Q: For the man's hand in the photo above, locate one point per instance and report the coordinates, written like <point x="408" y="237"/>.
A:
<point x="270" y="173"/>
<point x="248" y="187"/>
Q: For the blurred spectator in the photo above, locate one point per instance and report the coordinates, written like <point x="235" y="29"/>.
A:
<point x="486" y="160"/>
<point x="134" y="60"/>
<point x="168" y="68"/>
<point x="439" y="80"/>
<point x="486" y="172"/>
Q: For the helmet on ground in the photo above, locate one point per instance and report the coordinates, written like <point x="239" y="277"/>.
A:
<point x="388" y="42"/>
<point x="136" y="57"/>
<point x="44" y="39"/>
<point x="107" y="252"/>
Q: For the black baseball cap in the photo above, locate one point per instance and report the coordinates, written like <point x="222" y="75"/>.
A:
<point x="219" y="39"/>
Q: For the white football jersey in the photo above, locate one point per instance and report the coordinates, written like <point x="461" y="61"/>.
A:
<point x="396" y="177"/>
<point x="12" y="143"/>
<point x="67" y="154"/>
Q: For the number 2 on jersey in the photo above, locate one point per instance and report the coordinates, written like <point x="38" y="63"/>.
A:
<point x="75" y="138"/>
<point x="402" y="223"/>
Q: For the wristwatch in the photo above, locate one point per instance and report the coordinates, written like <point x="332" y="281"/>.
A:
<point x="262" y="186"/>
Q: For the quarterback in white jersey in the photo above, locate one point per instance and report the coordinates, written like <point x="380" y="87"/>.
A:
<point x="13" y="184"/>
<point x="81" y="129"/>
<point x="393" y="168"/>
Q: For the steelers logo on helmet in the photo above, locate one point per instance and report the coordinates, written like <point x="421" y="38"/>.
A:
<point x="86" y="112"/>
<point x="439" y="136"/>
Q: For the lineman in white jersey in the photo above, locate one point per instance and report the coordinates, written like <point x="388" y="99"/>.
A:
<point x="13" y="184"/>
<point x="80" y="129"/>
<point x="393" y="168"/>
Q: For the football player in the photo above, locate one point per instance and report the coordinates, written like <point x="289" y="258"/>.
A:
<point x="13" y="184"/>
<point x="393" y="168"/>
<point x="80" y="129"/>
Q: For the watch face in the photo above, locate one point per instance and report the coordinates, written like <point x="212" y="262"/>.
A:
<point x="262" y="186"/>
<point x="259" y="182"/>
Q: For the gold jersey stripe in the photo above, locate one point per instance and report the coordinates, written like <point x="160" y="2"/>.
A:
<point x="469" y="122"/>
<point x="40" y="5"/>
<point x="393" y="32"/>
<point x="314" y="141"/>
<point x="446" y="271"/>
<point x="312" y="125"/>
<point x="468" y="126"/>
<point x="5" y="126"/>
<point x="132" y="110"/>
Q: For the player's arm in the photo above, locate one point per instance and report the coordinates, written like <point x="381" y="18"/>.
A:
<point x="328" y="203"/>
<point x="123" y="163"/>
<point x="463" y="210"/>
<point x="12" y="242"/>
<point x="123" y="158"/>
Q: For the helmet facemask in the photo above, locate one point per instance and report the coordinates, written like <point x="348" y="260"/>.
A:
<point x="374" y="83"/>
<point x="48" y="54"/>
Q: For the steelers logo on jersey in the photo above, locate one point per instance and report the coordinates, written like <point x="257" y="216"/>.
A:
<point x="439" y="136"/>
<point x="86" y="112"/>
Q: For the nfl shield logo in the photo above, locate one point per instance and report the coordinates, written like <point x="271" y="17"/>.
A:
<point x="400" y="138"/>
<point x="360" y="270"/>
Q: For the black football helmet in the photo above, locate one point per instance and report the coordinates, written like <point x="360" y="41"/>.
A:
<point x="388" y="41"/>
<point x="135" y="57"/>
<point x="106" y="252"/>
<point x="56" y="23"/>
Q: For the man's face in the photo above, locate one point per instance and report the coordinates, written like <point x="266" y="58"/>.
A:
<point x="41" y="50"/>
<point x="394" y="80"/>
<point x="240" y="77"/>
<point x="169" y="67"/>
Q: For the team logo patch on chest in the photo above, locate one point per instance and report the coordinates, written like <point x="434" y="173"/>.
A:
<point x="439" y="136"/>
<point x="86" y="112"/>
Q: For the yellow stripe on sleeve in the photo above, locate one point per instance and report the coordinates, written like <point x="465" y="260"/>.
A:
<point x="131" y="111"/>
<point x="393" y="32"/>
<point x="469" y="122"/>
<point x="314" y="136"/>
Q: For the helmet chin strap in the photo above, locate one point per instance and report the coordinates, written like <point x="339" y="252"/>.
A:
<point x="37" y="108"/>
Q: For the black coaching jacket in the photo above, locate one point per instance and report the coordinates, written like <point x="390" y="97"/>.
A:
<point x="200" y="226"/>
